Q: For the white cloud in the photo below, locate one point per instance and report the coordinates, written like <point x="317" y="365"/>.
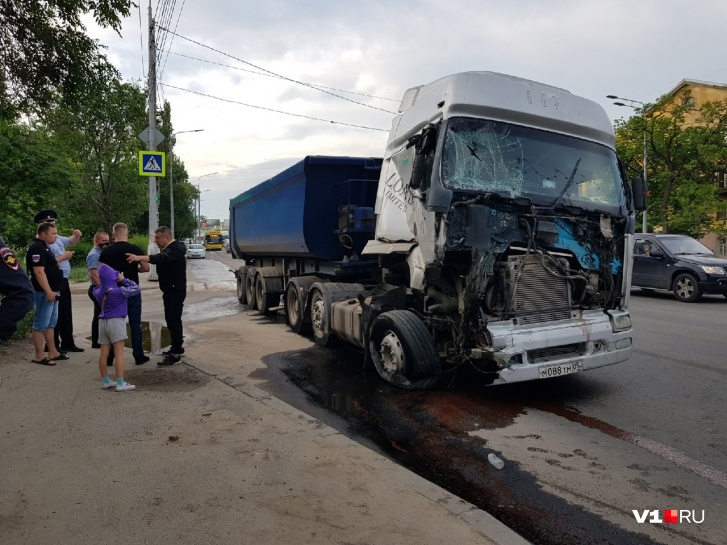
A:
<point x="593" y="48"/>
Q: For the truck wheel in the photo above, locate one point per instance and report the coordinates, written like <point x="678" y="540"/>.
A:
<point x="686" y="288"/>
<point x="294" y="310"/>
<point x="265" y="301"/>
<point x="403" y="351"/>
<point x="250" y="290"/>
<point x="320" y="318"/>
<point x="241" y="292"/>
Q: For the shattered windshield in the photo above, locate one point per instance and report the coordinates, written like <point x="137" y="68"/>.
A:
<point x="513" y="161"/>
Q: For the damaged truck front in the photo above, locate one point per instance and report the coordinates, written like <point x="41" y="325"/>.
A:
<point x="502" y="240"/>
<point x="503" y="211"/>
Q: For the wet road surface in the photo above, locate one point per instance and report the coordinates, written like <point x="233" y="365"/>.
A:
<point x="580" y="452"/>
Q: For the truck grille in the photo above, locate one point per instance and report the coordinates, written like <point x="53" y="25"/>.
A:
<point x="540" y="295"/>
<point x="544" y="354"/>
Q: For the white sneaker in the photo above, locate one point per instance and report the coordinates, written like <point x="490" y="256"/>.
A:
<point x="107" y="385"/>
<point x="124" y="387"/>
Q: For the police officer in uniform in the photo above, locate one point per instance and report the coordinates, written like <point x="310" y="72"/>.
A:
<point x="16" y="289"/>
<point x="63" y="333"/>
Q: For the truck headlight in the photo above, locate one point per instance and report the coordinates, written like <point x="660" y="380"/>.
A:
<point x="620" y="320"/>
<point x="709" y="269"/>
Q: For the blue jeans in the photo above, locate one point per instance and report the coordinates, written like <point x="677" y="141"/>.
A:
<point x="134" y="307"/>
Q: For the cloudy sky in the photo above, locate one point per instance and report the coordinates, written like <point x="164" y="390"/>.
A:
<point x="219" y="71"/>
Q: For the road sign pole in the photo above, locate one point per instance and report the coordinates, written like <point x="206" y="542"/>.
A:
<point x="153" y="210"/>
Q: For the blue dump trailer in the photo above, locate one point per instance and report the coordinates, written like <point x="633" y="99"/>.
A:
<point x="496" y="232"/>
<point x="311" y="220"/>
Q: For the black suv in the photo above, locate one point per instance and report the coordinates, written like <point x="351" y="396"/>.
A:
<point x="680" y="264"/>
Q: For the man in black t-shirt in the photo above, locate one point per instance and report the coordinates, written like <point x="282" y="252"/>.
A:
<point x="47" y="279"/>
<point x="114" y="256"/>
<point x="171" y="266"/>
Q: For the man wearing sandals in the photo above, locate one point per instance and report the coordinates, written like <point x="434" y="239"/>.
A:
<point x="47" y="279"/>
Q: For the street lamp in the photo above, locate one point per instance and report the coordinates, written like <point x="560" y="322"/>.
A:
<point x="631" y="105"/>
<point x="171" y="176"/>
<point x="199" y="204"/>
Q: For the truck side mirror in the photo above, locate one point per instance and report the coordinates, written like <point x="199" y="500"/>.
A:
<point x="638" y="192"/>
<point x="424" y="145"/>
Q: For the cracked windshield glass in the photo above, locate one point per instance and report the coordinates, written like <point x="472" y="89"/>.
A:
<point x="513" y="161"/>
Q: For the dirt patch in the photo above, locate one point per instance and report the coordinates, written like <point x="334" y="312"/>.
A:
<point x="177" y="378"/>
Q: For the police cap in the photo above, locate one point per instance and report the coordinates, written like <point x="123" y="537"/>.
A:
<point x="45" y="215"/>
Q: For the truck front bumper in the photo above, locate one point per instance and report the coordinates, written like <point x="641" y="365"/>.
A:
<point x="585" y="342"/>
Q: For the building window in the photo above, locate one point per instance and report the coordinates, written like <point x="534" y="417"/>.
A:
<point x="689" y="102"/>
<point x="722" y="246"/>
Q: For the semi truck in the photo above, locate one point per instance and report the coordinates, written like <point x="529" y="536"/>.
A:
<point x="495" y="232"/>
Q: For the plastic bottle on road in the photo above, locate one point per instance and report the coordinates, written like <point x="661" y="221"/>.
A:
<point x="495" y="460"/>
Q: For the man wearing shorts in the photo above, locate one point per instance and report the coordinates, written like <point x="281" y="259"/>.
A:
<point x="47" y="279"/>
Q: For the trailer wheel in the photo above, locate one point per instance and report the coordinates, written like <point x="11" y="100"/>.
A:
<point x="403" y="351"/>
<point x="294" y="310"/>
<point x="241" y="291"/>
<point x="320" y="318"/>
<point x="250" y="291"/>
<point x="264" y="299"/>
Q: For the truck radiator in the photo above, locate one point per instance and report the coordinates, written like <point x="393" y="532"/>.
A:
<point x="540" y="296"/>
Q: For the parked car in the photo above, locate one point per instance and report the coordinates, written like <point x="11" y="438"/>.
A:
<point x="195" y="251"/>
<point x="680" y="264"/>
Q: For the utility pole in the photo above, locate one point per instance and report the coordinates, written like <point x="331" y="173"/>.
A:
<point x="153" y="206"/>
<point x="644" y="227"/>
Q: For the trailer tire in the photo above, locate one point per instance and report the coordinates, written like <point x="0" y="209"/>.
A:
<point x="403" y="351"/>
<point x="240" y="275"/>
<point x="295" y="310"/>
<point x="250" y="288"/>
<point x="320" y="319"/>
<point x="264" y="300"/>
<point x="241" y="292"/>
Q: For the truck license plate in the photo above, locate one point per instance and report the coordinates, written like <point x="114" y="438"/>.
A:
<point x="560" y="369"/>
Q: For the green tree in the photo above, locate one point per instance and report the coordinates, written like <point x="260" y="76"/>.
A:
<point x="45" y="53"/>
<point x="35" y="171"/>
<point x="686" y="149"/>
<point x="101" y="140"/>
<point x="185" y="194"/>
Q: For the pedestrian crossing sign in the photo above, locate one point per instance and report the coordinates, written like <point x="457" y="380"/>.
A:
<point x="152" y="163"/>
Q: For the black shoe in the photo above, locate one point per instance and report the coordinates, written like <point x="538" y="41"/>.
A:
<point x="142" y="360"/>
<point x="74" y="349"/>
<point x="171" y="359"/>
<point x="95" y="345"/>
<point x="169" y="352"/>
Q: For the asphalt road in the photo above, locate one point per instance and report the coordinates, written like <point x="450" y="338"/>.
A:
<point x="581" y="452"/>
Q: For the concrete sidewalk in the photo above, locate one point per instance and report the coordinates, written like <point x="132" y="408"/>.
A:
<point x="198" y="454"/>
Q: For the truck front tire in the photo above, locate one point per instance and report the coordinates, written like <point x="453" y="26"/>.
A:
<point x="403" y="351"/>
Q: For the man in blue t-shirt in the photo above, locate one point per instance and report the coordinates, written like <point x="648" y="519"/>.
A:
<point x="100" y="241"/>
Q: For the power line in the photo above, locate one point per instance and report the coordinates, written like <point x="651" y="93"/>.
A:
<point x="179" y="16"/>
<point x="279" y="75"/>
<point x="141" y="41"/>
<point x="273" y="110"/>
